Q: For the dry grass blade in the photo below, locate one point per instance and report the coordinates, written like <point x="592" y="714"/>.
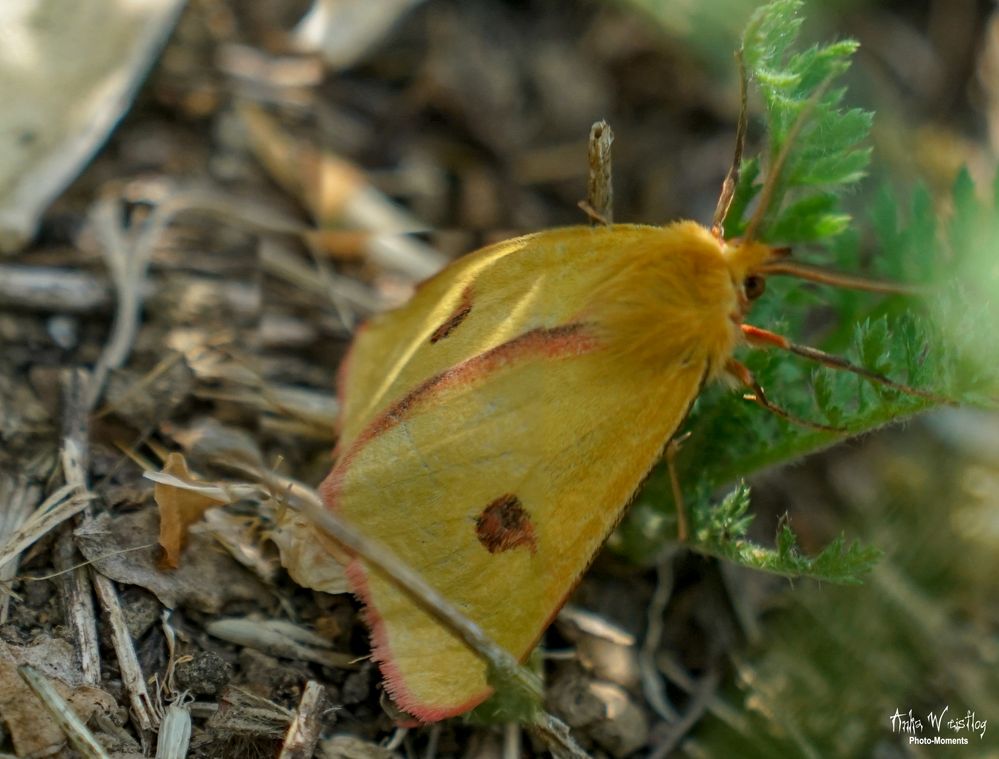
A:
<point x="77" y="733"/>
<point x="278" y="261"/>
<point x="223" y="493"/>
<point x="313" y="411"/>
<point x="62" y="504"/>
<point x="18" y="495"/>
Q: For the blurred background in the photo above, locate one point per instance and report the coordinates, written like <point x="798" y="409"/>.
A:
<point x="202" y="199"/>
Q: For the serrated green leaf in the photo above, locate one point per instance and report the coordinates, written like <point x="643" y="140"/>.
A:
<point x="942" y="346"/>
<point x="825" y="156"/>
<point x="825" y="398"/>
<point x="809" y="219"/>
<point x="787" y="543"/>
<point x="721" y="532"/>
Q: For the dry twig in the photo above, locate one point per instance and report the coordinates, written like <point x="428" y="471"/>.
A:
<point x="46" y="288"/>
<point x="143" y="709"/>
<point x="303" y="733"/>
<point x="74" y="583"/>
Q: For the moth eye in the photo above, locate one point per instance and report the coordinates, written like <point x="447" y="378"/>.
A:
<point x="754" y="286"/>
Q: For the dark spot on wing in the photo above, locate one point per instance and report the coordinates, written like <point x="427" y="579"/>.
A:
<point x="505" y="524"/>
<point x="452" y="323"/>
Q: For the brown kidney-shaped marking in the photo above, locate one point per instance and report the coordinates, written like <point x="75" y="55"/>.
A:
<point x="505" y="524"/>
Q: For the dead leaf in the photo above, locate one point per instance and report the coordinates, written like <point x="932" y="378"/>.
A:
<point x="67" y="79"/>
<point x="304" y="553"/>
<point x="124" y="550"/>
<point x="179" y="509"/>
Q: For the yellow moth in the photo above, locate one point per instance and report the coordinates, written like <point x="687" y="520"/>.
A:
<point x="494" y="429"/>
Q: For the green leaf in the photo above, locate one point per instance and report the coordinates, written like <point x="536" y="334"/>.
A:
<point x="720" y="531"/>
<point x="822" y="155"/>
<point x="937" y="345"/>
<point x="810" y="219"/>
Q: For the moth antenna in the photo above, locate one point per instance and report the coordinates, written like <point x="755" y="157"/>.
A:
<point x="732" y="178"/>
<point x="838" y="279"/>
<point x="773" y="175"/>
<point x="763" y="338"/>
<point x="745" y="377"/>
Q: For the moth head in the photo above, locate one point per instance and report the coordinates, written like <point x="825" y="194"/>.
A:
<point x="752" y="262"/>
<point x="748" y="262"/>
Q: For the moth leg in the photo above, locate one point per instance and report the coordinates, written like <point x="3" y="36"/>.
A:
<point x="741" y="373"/>
<point x="762" y="338"/>
<point x="599" y="203"/>
<point x="672" y="449"/>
